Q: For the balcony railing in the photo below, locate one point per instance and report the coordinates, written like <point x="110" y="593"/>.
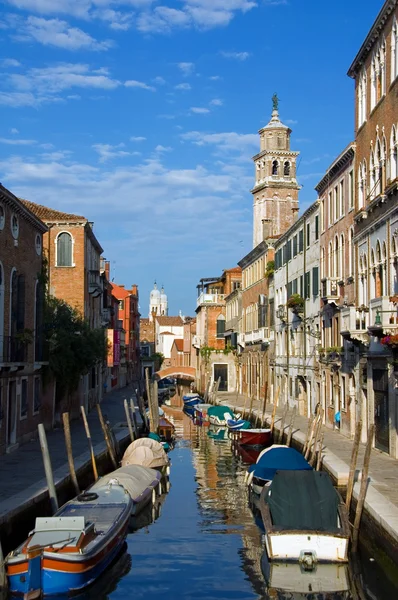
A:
<point x="210" y="299"/>
<point x="330" y="289"/>
<point x="383" y="315"/>
<point x="257" y="336"/>
<point x="13" y="350"/>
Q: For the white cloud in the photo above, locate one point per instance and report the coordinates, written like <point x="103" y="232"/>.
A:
<point x="54" y="32"/>
<point x="107" y="152"/>
<point x="9" y="62"/>
<point x="227" y="142"/>
<point x="73" y="97"/>
<point x="14" y="131"/>
<point x="160" y="148"/>
<point x="241" y="56"/>
<point x="215" y="78"/>
<point x="137" y="139"/>
<point x="187" y="68"/>
<point x="117" y="20"/>
<point x="17" y="142"/>
<point x="290" y="122"/>
<point x="216" y="102"/>
<point x="132" y="83"/>
<point x="199" y="110"/>
<point x="162" y="20"/>
<point x="159" y="80"/>
<point x="183" y="86"/>
<point x="77" y="8"/>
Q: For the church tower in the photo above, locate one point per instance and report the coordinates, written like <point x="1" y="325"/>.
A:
<point x="275" y="192"/>
<point x="154" y="302"/>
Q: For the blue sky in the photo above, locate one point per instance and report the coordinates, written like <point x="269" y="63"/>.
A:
<point x="142" y="115"/>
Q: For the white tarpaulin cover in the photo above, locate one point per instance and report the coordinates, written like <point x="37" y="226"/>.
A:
<point x="145" y="452"/>
<point x="136" y="479"/>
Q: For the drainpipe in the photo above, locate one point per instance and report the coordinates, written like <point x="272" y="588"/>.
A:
<point x="288" y="335"/>
<point x="305" y="313"/>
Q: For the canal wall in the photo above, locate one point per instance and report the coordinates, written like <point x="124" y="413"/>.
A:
<point x="379" y="526"/>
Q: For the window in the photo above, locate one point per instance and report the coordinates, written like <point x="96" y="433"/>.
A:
<point x="14" y="226"/>
<point x="286" y="169"/>
<point x="315" y="281"/>
<point x="362" y="83"/>
<point x="350" y="190"/>
<point x="330" y="209"/>
<point x="289" y="289"/>
<point x="307" y="285"/>
<point x="220" y="326"/>
<point x="2" y="216"/>
<point x="378" y="75"/>
<point x="236" y="285"/>
<point x="393" y="153"/>
<point x="342" y="198"/>
<point x="308" y="231"/>
<point x="301" y="240"/>
<point x="394" y="50"/>
<point x="323" y="214"/>
<point x="316" y="227"/>
<point x="351" y="253"/>
<point x="24" y="398"/>
<point x="121" y="304"/>
<point x="275" y="167"/>
<point x="295" y="246"/>
<point x="36" y="395"/>
<point x="20" y="304"/>
<point x="294" y="286"/>
<point x="64" y="250"/>
<point x="262" y="311"/>
<point x="336" y="203"/>
<point x="38" y="244"/>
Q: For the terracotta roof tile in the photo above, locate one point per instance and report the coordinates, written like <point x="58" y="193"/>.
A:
<point x="179" y="344"/>
<point x="172" y="321"/>
<point x="49" y="214"/>
<point x="166" y="333"/>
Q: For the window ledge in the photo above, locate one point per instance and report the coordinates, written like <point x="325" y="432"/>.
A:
<point x="376" y="106"/>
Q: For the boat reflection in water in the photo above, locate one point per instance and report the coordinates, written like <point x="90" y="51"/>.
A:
<point x="218" y="434"/>
<point x="288" y="581"/>
<point x="247" y="454"/>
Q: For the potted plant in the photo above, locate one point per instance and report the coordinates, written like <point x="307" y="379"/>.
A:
<point x="270" y="269"/>
<point x="296" y="303"/>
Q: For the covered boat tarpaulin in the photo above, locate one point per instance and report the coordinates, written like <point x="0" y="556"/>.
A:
<point x="145" y="452"/>
<point x="219" y="411"/>
<point x="134" y="478"/>
<point x="280" y="458"/>
<point x="303" y="501"/>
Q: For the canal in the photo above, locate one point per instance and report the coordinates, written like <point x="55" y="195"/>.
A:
<point x="203" y="541"/>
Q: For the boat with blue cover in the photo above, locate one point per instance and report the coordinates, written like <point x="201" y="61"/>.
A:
<point x="238" y="424"/>
<point x="273" y="459"/>
<point x="192" y="399"/>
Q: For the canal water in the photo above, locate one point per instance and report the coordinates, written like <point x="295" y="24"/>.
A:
<point x="203" y="541"/>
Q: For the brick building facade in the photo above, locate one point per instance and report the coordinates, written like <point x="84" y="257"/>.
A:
<point x="24" y="402"/>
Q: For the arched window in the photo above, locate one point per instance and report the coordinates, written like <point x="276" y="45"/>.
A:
<point x="286" y="169"/>
<point x="394" y="50"/>
<point x="220" y="326"/>
<point x="372" y="173"/>
<point x="394" y="262"/>
<point x="64" y="250"/>
<point x="330" y="261"/>
<point x="362" y="83"/>
<point x="336" y="270"/>
<point x="342" y="256"/>
<point x="351" y="253"/>
<point x="275" y="167"/>
<point x="262" y="311"/>
<point x="393" y="154"/>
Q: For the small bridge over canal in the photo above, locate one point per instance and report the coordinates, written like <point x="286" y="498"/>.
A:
<point x="182" y="372"/>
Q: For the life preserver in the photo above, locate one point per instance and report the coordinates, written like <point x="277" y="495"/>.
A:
<point x="87" y="497"/>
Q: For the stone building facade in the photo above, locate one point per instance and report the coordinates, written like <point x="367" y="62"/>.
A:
<point x="375" y="71"/>
<point x="24" y="402"/>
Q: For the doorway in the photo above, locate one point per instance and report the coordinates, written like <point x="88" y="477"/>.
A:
<point x="381" y="412"/>
<point x="12" y="413"/>
<point x="221" y="371"/>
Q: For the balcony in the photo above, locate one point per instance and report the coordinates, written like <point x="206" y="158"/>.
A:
<point x="383" y="317"/>
<point x="196" y="341"/>
<point x="330" y="289"/>
<point x="210" y="299"/>
<point x="94" y="285"/>
<point x="258" y="336"/>
<point x="13" y="351"/>
<point x="354" y="323"/>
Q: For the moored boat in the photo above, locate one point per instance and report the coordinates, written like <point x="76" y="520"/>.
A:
<point x="201" y="409"/>
<point x="219" y="415"/>
<point x="273" y="459"/>
<point x="148" y="453"/>
<point x="238" y="424"/>
<point x="166" y="429"/>
<point x="67" y="552"/>
<point x="305" y="519"/>
<point x="192" y="399"/>
<point x="254" y="437"/>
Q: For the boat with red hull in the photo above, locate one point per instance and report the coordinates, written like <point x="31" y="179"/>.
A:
<point x="253" y="437"/>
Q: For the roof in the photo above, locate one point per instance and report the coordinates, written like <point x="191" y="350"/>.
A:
<point x="166" y="333"/>
<point x="171" y="321"/>
<point x="119" y="292"/>
<point x="49" y="214"/>
<point x="341" y="161"/>
<point x="372" y="36"/>
<point x="19" y="207"/>
<point x="179" y="344"/>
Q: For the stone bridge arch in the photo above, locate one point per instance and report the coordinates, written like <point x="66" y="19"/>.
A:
<point x="184" y="372"/>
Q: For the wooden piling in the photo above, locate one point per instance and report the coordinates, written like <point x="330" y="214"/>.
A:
<point x="319" y="459"/>
<point x="149" y="395"/>
<point x="155" y="405"/>
<point x="318" y="431"/>
<point x="284" y="415"/>
<point x="106" y="436"/>
<point x="273" y="416"/>
<point x="47" y="468"/>
<point x="291" y="425"/>
<point x="134" y="418"/>
<point x="207" y="392"/>
<point x="216" y="388"/>
<point x="128" y="417"/>
<point x="353" y="464"/>
<point x="90" y="443"/>
<point x="251" y="406"/>
<point x="312" y="432"/>
<point x="3" y="574"/>
<point x="68" y="443"/>
<point x="307" y="437"/>
<point x="363" y="489"/>
<point x="264" y="404"/>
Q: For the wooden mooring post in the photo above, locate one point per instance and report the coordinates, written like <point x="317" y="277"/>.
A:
<point x="291" y="425"/>
<point x="282" y="431"/>
<point x="47" y="468"/>
<point x="128" y="418"/>
<point x="314" y="425"/>
<point x="264" y="404"/>
<point x="68" y="444"/>
<point x="133" y="408"/>
<point x="90" y="443"/>
<point x="319" y="460"/>
<point x="353" y="464"/>
<point x="106" y="436"/>
<point x="216" y="388"/>
<point x="3" y="575"/>
<point x="318" y="431"/>
<point x="363" y="489"/>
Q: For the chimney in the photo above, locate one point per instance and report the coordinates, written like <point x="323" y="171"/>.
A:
<point x="107" y="269"/>
<point x="121" y="285"/>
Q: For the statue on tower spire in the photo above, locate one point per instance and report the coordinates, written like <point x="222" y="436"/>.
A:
<point x="275" y="101"/>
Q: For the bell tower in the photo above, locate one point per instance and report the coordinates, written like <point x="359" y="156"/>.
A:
<point x="275" y="192"/>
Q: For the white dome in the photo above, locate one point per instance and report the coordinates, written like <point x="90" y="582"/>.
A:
<point x="163" y="296"/>
<point x="155" y="294"/>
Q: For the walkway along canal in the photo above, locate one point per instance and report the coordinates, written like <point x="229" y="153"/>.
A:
<point x="207" y="543"/>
